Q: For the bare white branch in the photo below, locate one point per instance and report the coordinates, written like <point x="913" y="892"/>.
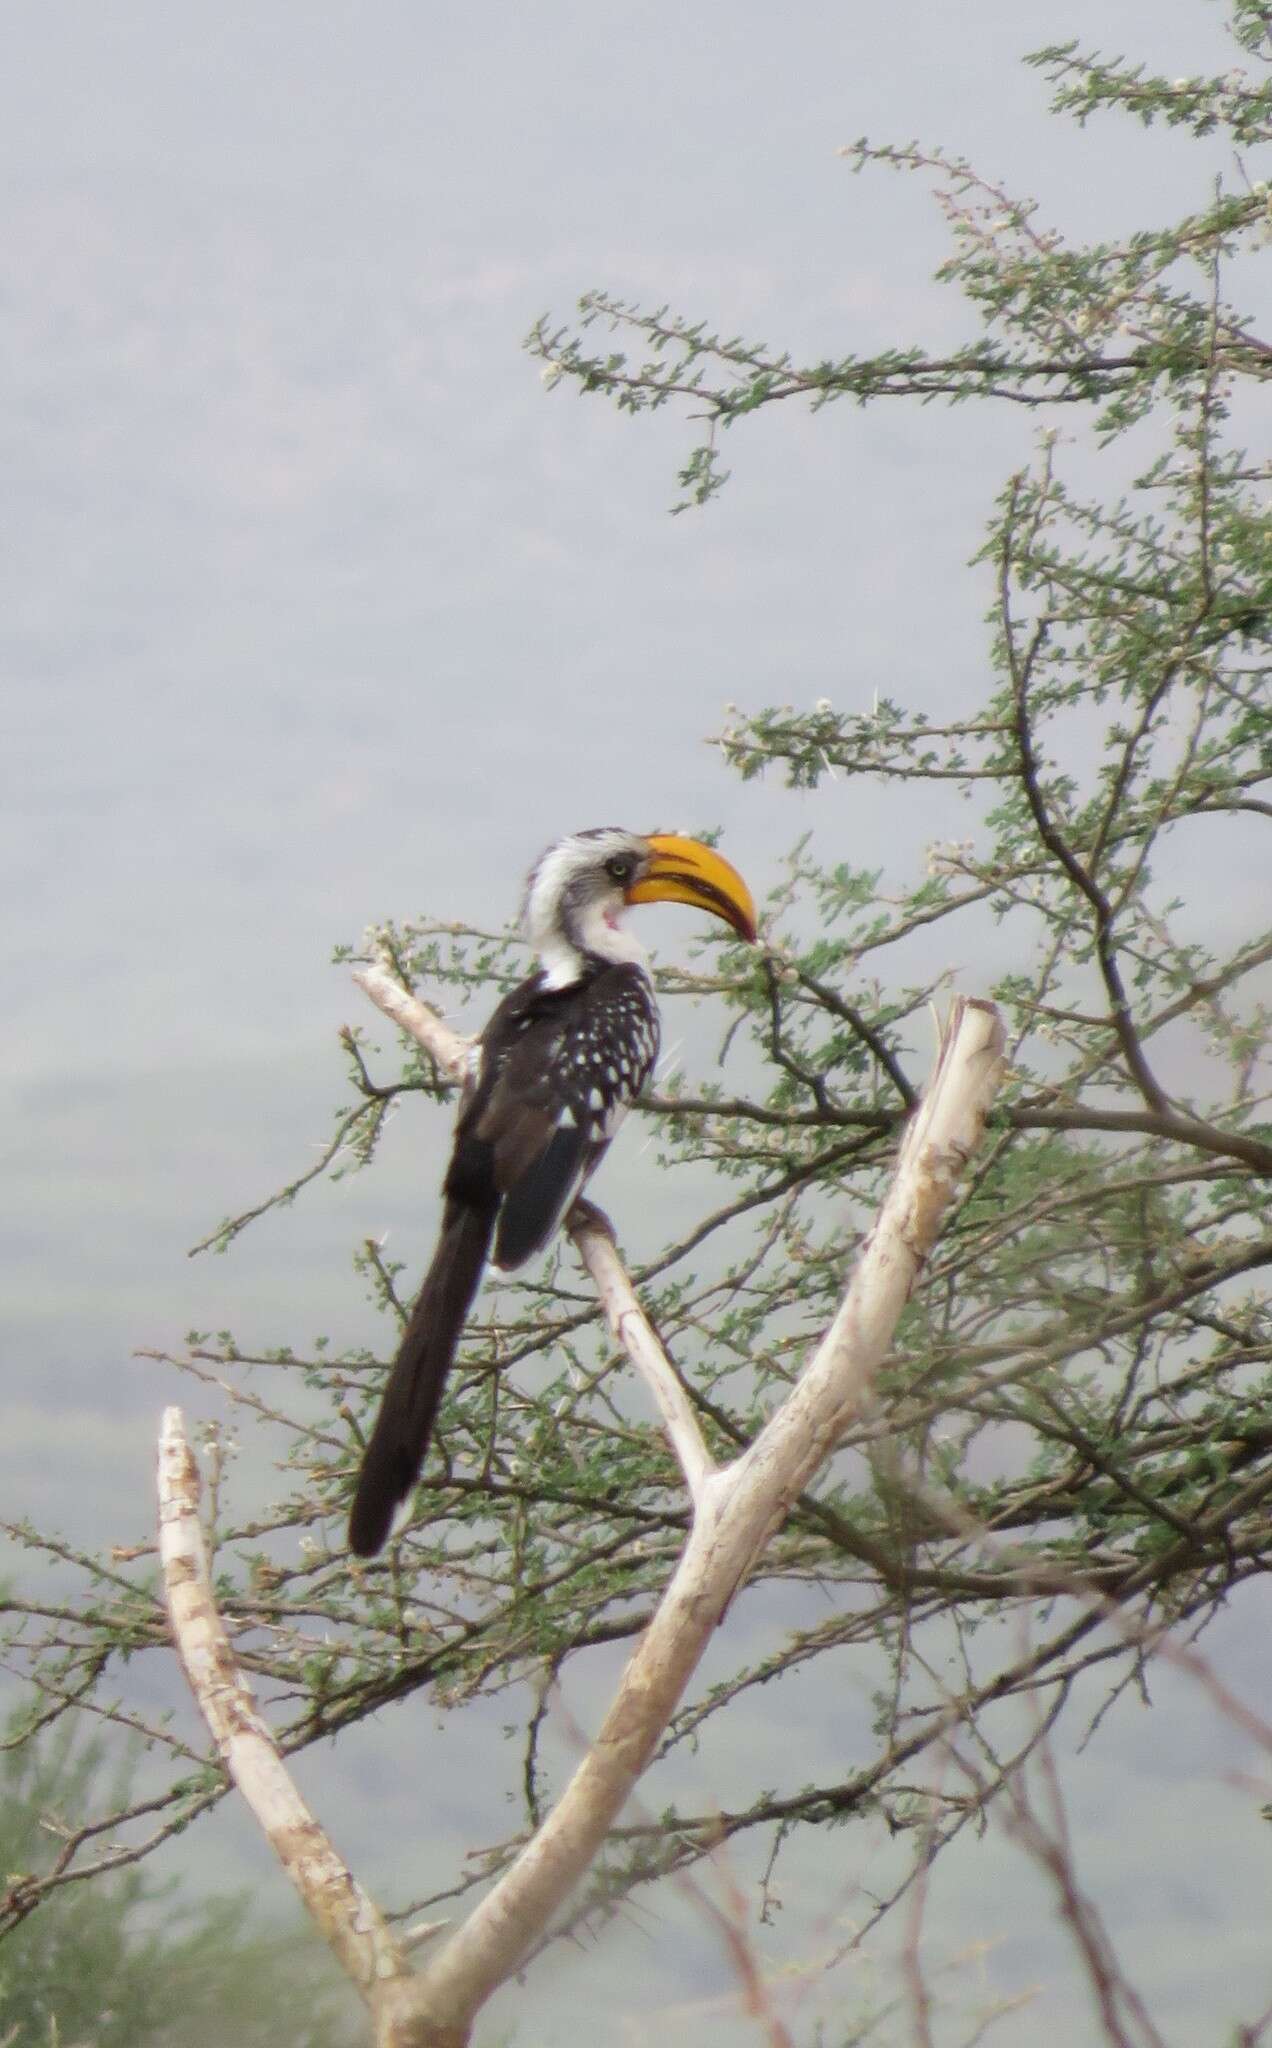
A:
<point x="449" y="1048"/>
<point x="636" y="1334"/>
<point x="347" y="1917"/>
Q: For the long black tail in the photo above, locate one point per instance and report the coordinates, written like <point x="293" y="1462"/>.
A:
<point x="392" y="1460"/>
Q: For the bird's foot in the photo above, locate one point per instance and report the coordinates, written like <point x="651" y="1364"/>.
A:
<point x="585" y="1215"/>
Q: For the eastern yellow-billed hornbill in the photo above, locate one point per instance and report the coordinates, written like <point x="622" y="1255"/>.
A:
<point x="551" y="1078"/>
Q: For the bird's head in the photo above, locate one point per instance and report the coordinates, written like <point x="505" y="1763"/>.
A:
<point x="579" y="888"/>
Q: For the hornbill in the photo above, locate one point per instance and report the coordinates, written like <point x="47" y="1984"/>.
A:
<point x="549" y="1081"/>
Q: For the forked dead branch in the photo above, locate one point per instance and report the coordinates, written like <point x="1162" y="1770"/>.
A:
<point x="736" y="1509"/>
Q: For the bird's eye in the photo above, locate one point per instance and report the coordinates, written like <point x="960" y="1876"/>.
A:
<point x="619" y="867"/>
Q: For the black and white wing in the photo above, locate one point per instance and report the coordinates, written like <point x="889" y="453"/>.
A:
<point x="559" y="1069"/>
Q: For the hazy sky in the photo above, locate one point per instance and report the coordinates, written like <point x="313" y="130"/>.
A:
<point x="316" y="607"/>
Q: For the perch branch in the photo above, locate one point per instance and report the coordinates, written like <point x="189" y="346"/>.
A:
<point x="634" y="1331"/>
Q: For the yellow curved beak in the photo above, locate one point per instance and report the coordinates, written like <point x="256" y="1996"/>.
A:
<point x="685" y="871"/>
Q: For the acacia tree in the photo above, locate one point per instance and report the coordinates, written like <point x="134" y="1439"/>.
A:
<point x="1077" y="1401"/>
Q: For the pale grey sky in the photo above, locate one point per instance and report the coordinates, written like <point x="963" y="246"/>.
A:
<point x="315" y="607"/>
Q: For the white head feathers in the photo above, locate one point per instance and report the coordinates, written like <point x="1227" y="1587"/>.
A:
<point x="575" y="899"/>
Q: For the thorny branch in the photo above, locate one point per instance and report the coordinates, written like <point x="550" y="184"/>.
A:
<point x="737" y="1510"/>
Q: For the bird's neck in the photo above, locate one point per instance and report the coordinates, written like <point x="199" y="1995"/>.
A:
<point x="581" y="942"/>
